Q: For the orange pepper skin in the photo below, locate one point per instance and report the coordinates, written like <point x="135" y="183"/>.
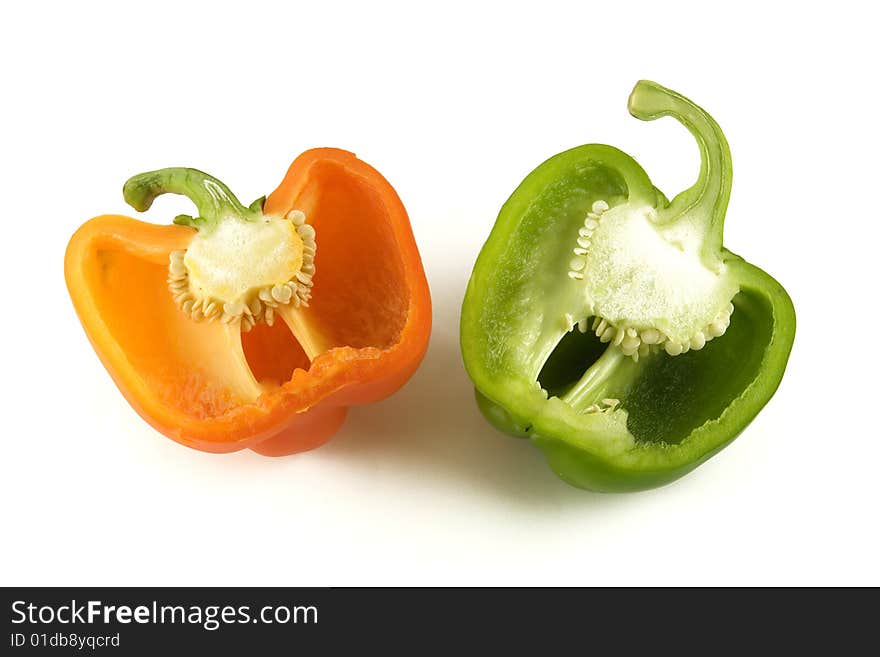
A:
<point x="371" y="306"/>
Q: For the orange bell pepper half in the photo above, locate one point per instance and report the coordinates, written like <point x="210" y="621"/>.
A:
<point x="255" y="327"/>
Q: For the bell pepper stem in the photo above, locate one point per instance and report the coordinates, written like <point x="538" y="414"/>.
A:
<point x="705" y="203"/>
<point x="212" y="198"/>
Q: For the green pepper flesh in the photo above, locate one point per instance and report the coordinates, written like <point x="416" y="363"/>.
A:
<point x="609" y="419"/>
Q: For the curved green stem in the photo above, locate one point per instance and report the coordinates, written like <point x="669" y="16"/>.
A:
<point x="705" y="204"/>
<point x="213" y="199"/>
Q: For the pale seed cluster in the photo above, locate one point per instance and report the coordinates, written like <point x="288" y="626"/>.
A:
<point x="262" y="302"/>
<point x="585" y="232"/>
<point x="632" y="342"/>
<point x="605" y="406"/>
<point x="640" y="343"/>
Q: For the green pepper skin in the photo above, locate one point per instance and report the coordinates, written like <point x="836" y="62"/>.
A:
<point x="677" y="411"/>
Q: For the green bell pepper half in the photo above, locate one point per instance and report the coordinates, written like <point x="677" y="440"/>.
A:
<point x="610" y="326"/>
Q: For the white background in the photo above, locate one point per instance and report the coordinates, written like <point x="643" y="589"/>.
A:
<point x="454" y="103"/>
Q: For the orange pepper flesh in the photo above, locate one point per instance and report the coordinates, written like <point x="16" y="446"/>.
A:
<point x="370" y="312"/>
